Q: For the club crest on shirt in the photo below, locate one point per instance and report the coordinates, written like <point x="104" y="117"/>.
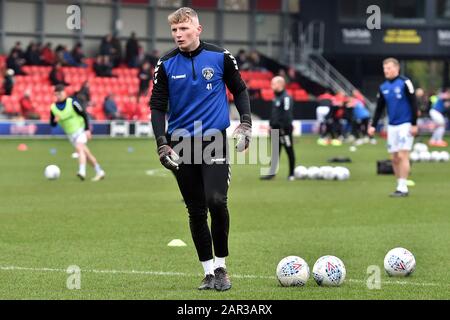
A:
<point x="208" y="73"/>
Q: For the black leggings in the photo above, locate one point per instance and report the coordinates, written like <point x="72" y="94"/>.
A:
<point x="205" y="186"/>
<point x="285" y="140"/>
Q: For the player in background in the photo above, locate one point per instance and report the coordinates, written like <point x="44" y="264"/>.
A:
<point x="190" y="87"/>
<point x="281" y="119"/>
<point x="397" y="95"/>
<point x="437" y="114"/>
<point x="360" y="120"/>
<point x="322" y="111"/>
<point x="69" y="114"/>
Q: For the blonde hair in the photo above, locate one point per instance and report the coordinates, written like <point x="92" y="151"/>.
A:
<point x="181" y="15"/>
<point x="391" y="60"/>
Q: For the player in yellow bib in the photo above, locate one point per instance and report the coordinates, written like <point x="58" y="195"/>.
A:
<point x="69" y="114"/>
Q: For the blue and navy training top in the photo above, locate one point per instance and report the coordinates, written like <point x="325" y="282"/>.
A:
<point x="439" y="106"/>
<point x="398" y="96"/>
<point x="360" y="112"/>
<point x="191" y="88"/>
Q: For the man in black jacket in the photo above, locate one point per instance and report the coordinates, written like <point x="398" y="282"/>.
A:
<point x="281" y="123"/>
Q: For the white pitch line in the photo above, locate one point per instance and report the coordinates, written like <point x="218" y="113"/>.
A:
<point x="182" y="274"/>
<point x="154" y="273"/>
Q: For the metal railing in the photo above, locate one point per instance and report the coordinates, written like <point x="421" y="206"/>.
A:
<point x="308" y="59"/>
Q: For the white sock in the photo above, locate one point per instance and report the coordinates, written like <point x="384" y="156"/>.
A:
<point x="438" y="134"/>
<point x="208" y="266"/>
<point x="97" y="168"/>
<point x="401" y="185"/>
<point x="82" y="169"/>
<point x="219" y="263"/>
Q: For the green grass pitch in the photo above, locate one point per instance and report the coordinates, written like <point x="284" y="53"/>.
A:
<point x="117" y="230"/>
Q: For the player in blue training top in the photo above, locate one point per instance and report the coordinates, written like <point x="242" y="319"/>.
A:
<point x="190" y="87"/>
<point x="437" y="114"/>
<point x="397" y="94"/>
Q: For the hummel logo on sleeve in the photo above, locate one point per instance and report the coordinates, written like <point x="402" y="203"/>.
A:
<point x="232" y="58"/>
<point x="181" y="76"/>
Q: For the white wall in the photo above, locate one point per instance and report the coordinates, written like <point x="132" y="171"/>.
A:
<point x="267" y="25"/>
<point x="20" y="17"/>
<point x="236" y="26"/>
<point x="161" y="24"/>
<point x="55" y="19"/>
<point x="97" y="20"/>
<point x="134" y="20"/>
<point x="207" y="20"/>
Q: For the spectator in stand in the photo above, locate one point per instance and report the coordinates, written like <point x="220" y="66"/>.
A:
<point x="2" y="111"/>
<point x="255" y="62"/>
<point x="68" y="58"/>
<point x="78" y="55"/>
<point x="83" y="96"/>
<point x="131" y="109"/>
<point x="18" y="49"/>
<point x="47" y="55"/>
<point x="103" y="67"/>
<point x="57" y="75"/>
<point x="132" y="51"/>
<point x="106" y="47"/>
<point x="141" y="57"/>
<point x="242" y="60"/>
<point x="292" y="73"/>
<point x="153" y="57"/>
<point x="8" y="82"/>
<point x="27" y="108"/>
<point x="107" y="67"/>
<point x="282" y="73"/>
<point x="98" y="66"/>
<point x="59" y="54"/>
<point x="15" y="62"/>
<point x="145" y="75"/>
<point x="32" y="55"/>
<point x="110" y="108"/>
<point x="116" y="57"/>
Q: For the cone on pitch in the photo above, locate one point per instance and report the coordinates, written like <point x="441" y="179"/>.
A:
<point x="176" y="243"/>
<point x="22" y="147"/>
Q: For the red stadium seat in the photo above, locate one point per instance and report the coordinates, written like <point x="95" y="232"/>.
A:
<point x="293" y="86"/>
<point x="267" y="94"/>
<point x="301" y="95"/>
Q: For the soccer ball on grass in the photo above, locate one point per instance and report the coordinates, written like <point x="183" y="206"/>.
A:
<point x="52" y="172"/>
<point x="292" y="271"/>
